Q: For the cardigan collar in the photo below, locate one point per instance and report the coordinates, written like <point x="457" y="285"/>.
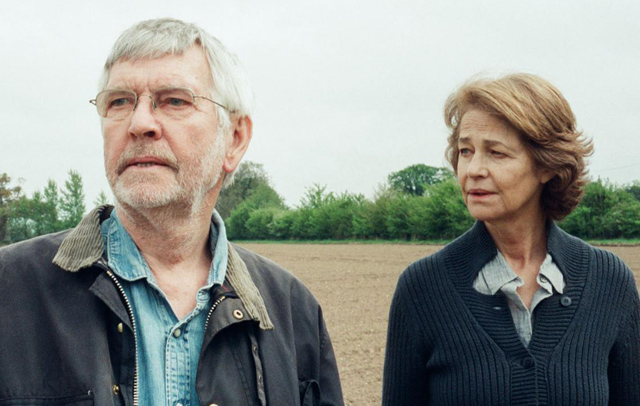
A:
<point x="466" y="255"/>
<point x="83" y="247"/>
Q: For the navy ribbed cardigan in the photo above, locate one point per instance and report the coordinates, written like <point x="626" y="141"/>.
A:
<point x="448" y="344"/>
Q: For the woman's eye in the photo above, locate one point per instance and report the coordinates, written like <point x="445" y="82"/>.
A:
<point x="497" y="153"/>
<point x="465" y="151"/>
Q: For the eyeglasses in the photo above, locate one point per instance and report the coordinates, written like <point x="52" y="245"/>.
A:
<point x="172" y="102"/>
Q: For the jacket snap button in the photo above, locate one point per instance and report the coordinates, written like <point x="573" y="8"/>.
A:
<point x="565" y="301"/>
<point x="116" y="390"/>
<point x="527" y="362"/>
<point x="177" y="332"/>
<point x="238" y="314"/>
<point x="120" y="328"/>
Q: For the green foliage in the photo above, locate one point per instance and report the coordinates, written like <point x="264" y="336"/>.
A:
<point x="257" y="212"/>
<point x="101" y="199"/>
<point x="634" y="189"/>
<point x="415" y="179"/>
<point x="248" y="178"/>
<point x="606" y="211"/>
<point x="46" y="211"/>
<point x="72" y="202"/>
<point x="445" y="216"/>
<point x="8" y="196"/>
<point x="263" y="196"/>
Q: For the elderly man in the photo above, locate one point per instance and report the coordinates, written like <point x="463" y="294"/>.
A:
<point x="147" y="303"/>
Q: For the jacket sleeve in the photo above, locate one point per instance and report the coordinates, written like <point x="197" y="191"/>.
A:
<point x="329" y="385"/>
<point x="624" y="359"/>
<point x="405" y="378"/>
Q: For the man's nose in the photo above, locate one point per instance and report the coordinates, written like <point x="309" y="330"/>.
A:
<point x="144" y="122"/>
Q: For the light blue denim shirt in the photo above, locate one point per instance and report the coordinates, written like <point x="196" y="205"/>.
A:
<point x="168" y="348"/>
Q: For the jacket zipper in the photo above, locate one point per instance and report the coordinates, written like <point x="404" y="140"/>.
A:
<point x="213" y="307"/>
<point x="133" y="325"/>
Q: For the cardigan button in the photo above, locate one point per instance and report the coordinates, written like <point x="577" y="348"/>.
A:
<point x="527" y="362"/>
<point x="120" y="328"/>
<point x="238" y="314"/>
<point x="565" y="301"/>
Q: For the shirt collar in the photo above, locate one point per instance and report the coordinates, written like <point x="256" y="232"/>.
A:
<point x="83" y="247"/>
<point x="549" y="271"/>
<point x="127" y="262"/>
<point x="497" y="273"/>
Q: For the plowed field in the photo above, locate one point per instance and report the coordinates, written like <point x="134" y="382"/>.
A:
<point x="355" y="283"/>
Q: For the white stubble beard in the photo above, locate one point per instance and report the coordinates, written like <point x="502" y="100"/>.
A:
<point x="191" y="182"/>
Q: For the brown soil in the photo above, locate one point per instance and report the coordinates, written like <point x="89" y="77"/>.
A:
<point x="354" y="284"/>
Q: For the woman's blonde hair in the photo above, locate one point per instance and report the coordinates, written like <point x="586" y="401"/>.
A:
<point x="543" y="117"/>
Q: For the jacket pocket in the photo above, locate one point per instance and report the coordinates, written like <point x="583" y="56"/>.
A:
<point x="80" y="400"/>
<point x="309" y="393"/>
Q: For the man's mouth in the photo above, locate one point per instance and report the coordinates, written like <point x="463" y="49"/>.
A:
<point x="143" y="162"/>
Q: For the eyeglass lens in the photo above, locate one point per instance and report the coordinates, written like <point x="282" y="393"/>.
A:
<point x="171" y="102"/>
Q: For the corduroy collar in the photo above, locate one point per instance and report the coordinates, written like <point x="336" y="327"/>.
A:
<point x="83" y="247"/>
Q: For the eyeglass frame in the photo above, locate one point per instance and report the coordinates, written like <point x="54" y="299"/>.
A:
<point x="153" y="102"/>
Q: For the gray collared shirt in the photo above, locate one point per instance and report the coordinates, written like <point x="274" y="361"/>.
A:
<point x="497" y="275"/>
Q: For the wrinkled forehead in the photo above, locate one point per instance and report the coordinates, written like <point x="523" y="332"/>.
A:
<point x="190" y="69"/>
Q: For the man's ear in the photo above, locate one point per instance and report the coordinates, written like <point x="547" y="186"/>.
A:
<point x="239" y="144"/>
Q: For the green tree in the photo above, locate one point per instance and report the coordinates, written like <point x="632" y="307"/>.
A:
<point x="263" y="196"/>
<point x="446" y="215"/>
<point x="606" y="211"/>
<point x="101" y="199"/>
<point x="72" y="202"/>
<point x="8" y="196"/>
<point x="50" y="217"/>
<point x="248" y="178"/>
<point x="414" y="179"/>
<point x="634" y="189"/>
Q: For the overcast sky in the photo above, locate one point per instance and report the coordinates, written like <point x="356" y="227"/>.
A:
<point x="346" y="91"/>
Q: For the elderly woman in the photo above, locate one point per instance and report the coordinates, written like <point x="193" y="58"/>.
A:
<point x="515" y="311"/>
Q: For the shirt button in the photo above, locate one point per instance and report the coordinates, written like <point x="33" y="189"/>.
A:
<point x="176" y="334"/>
<point x="238" y="314"/>
<point x="527" y="362"/>
<point x="120" y="328"/>
<point x="565" y="301"/>
<point x="544" y="279"/>
<point x="255" y="349"/>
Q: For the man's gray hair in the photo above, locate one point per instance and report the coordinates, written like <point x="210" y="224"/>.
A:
<point x="166" y="36"/>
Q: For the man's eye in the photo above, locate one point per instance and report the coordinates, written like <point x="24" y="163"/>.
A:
<point x="496" y="153"/>
<point x="465" y="151"/>
<point x="120" y="102"/>
<point x="175" y="102"/>
<point x="173" y="99"/>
